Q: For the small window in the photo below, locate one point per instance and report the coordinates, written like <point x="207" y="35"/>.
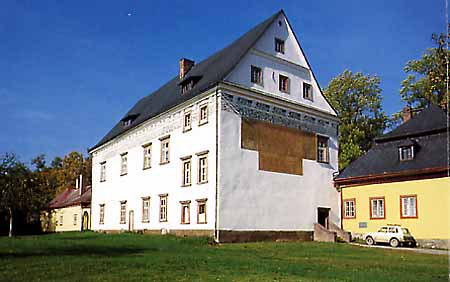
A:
<point x="61" y="218"/>
<point x="203" y="115"/>
<point x="186" y="167"/>
<point x="377" y="208"/>
<point x="124" y="164"/>
<point x="102" y="171"/>
<point x="185" y="212"/>
<point x="279" y="45"/>
<point x="146" y="209"/>
<point x="350" y="208"/>
<point x="307" y="91"/>
<point x="102" y="214"/>
<point x="322" y="149"/>
<point x="147" y="150"/>
<point x="202" y="169"/>
<point x="187" y="122"/>
<point x="165" y="146"/>
<point x="187" y="86"/>
<point x="75" y="219"/>
<point x="123" y="212"/>
<point x="408" y="206"/>
<point x="201" y="211"/>
<point x="406" y="153"/>
<point x="256" y="75"/>
<point x="127" y="122"/>
<point x="163" y="208"/>
<point x="283" y="84"/>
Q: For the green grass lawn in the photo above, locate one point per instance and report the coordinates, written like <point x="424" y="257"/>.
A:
<point x="133" y="257"/>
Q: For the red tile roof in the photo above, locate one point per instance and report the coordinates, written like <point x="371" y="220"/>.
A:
<point x="71" y="197"/>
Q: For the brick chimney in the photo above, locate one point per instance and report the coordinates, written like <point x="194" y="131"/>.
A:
<point x="407" y="113"/>
<point x="185" y="66"/>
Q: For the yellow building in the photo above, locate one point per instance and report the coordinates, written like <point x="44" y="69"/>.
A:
<point x="403" y="179"/>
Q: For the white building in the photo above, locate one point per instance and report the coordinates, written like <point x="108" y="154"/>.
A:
<point x="241" y="146"/>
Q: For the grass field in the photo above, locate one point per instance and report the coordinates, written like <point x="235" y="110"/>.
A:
<point x="132" y="257"/>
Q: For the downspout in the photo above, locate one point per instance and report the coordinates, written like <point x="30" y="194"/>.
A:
<point x="216" y="223"/>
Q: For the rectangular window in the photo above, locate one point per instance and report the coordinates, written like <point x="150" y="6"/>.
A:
<point x="377" y="208"/>
<point x="61" y="218"/>
<point x="203" y="115"/>
<point x="102" y="214"/>
<point x="165" y="153"/>
<point x="124" y="164"/>
<point x="307" y="91"/>
<point x="187" y="122"/>
<point x="185" y="212"/>
<point x="322" y="149"/>
<point x="283" y="85"/>
<point x="163" y="208"/>
<point x="186" y="167"/>
<point x="75" y="219"/>
<point x="123" y="212"/>
<point x="279" y="45"/>
<point x="408" y="206"/>
<point x="350" y="208"/>
<point x="146" y="209"/>
<point x="256" y="75"/>
<point x="147" y="149"/>
<point x="202" y="168"/>
<point x="102" y="171"/>
<point x="201" y="211"/>
<point x="406" y="153"/>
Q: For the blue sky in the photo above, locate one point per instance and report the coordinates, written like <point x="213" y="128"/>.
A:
<point x="69" y="70"/>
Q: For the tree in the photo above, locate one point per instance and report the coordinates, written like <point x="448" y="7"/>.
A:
<point x="357" y="101"/>
<point x="427" y="76"/>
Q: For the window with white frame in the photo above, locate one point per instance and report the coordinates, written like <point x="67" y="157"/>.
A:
<point x="102" y="171"/>
<point x="187" y="121"/>
<point x="307" y="91"/>
<point x="165" y="150"/>
<point x="147" y="150"/>
<point x="186" y="167"/>
<point x="185" y="212"/>
<point x="146" y="209"/>
<point x="256" y="75"/>
<point x="123" y="212"/>
<point x="349" y="208"/>
<point x="163" y="208"/>
<point x="322" y="149"/>
<point x="408" y="206"/>
<point x="201" y="211"/>
<point x="377" y="208"/>
<point x="283" y="83"/>
<point x="202" y="168"/>
<point x="406" y="153"/>
<point x="279" y="45"/>
<point x="124" y="164"/>
<point x="102" y="214"/>
<point x="75" y="219"/>
<point x="203" y="114"/>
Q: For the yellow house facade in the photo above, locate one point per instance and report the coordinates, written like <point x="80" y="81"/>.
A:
<point x="403" y="179"/>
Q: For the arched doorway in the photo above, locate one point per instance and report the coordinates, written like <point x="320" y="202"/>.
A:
<point x="85" y="221"/>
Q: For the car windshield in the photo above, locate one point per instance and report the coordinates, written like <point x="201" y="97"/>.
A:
<point x="405" y="230"/>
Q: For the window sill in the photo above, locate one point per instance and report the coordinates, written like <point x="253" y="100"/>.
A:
<point x="284" y="92"/>
<point x="377" y="218"/>
<point x="201" y="222"/>
<point x="102" y="181"/>
<point x="323" y="162"/>
<point x="187" y="129"/>
<point x="202" y="123"/>
<point x="354" y="217"/>
<point x="123" y="222"/>
<point x="146" y="221"/>
<point x="203" y="182"/>
<point x="145" y="168"/>
<point x="185" y="223"/>
<point x="408" y="217"/>
<point x="163" y="163"/>
<point x="186" y="185"/>
<point x="123" y="174"/>
<point x="162" y="221"/>
<point x="309" y="99"/>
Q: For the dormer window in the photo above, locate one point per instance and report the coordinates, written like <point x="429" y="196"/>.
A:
<point x="185" y="87"/>
<point x="406" y="153"/>
<point x="127" y="122"/>
<point x="279" y="45"/>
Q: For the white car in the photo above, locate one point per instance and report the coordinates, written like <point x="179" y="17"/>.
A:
<point x="392" y="234"/>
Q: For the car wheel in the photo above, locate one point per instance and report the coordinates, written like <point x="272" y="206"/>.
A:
<point x="394" y="243"/>
<point x="370" y="241"/>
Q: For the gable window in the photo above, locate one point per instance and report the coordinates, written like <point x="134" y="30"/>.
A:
<point x="186" y="167"/>
<point x="163" y="208"/>
<point x="102" y="214"/>
<point x="256" y="75"/>
<point x="165" y="146"/>
<point x="377" y="208"/>
<point x="201" y="211"/>
<point x="185" y="212"/>
<point x="202" y="175"/>
<point x="146" y="209"/>
<point x="124" y="164"/>
<point x="350" y="208"/>
<point x="102" y="171"/>
<point x="406" y="153"/>
<point x="203" y="115"/>
<point x="322" y="149"/>
<point x="307" y="91"/>
<point x="279" y="45"/>
<point x="187" y="122"/>
<point x="408" y="206"/>
<point x="123" y="212"/>
<point x="75" y="219"/>
<point x="147" y="150"/>
<point x="283" y="83"/>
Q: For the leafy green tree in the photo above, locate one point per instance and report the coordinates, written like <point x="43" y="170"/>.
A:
<point x="427" y="76"/>
<point x="357" y="100"/>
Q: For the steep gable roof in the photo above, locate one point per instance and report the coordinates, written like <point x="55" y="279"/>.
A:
<point x="71" y="197"/>
<point x="207" y="73"/>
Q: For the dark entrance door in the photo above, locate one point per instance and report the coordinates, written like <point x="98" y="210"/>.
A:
<point x="322" y="216"/>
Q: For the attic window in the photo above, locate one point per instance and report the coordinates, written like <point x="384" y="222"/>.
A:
<point x="279" y="45"/>
<point x="406" y="153"/>
<point x="127" y="122"/>
<point x="185" y="87"/>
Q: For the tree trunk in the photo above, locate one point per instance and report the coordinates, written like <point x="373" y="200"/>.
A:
<point x="10" y="222"/>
